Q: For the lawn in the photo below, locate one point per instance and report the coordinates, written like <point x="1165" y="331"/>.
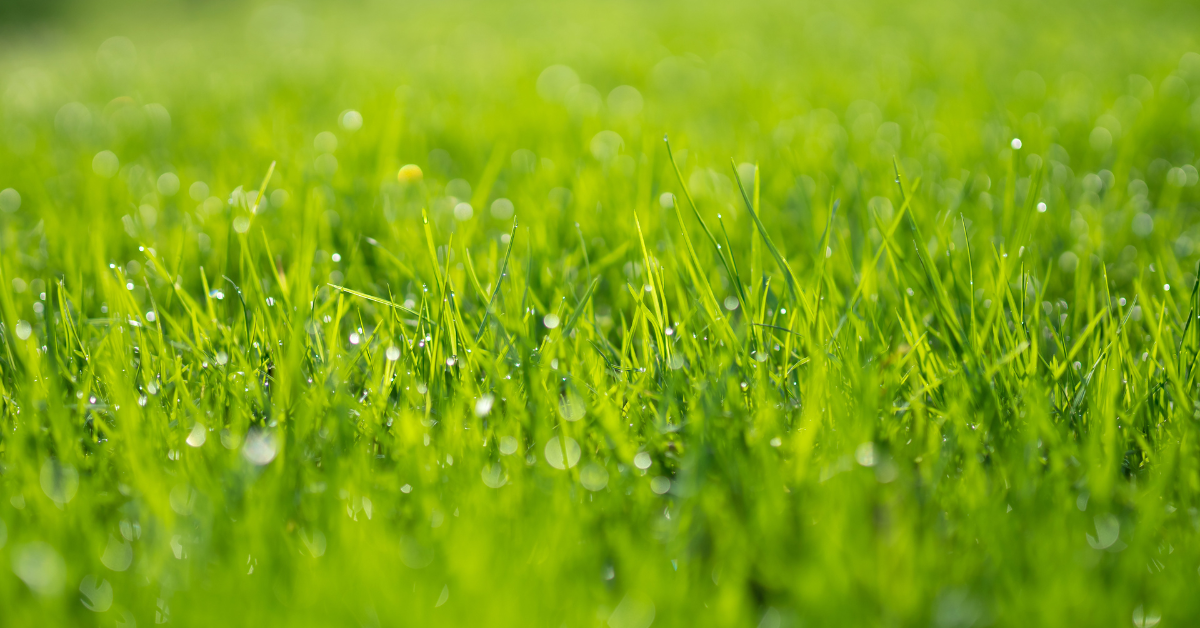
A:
<point x="597" y="314"/>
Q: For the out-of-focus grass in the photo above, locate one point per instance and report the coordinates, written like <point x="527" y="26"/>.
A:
<point x="965" y="397"/>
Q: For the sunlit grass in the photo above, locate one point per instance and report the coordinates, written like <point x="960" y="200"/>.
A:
<point x="378" y="317"/>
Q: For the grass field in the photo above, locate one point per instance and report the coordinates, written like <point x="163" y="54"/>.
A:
<point x="377" y="315"/>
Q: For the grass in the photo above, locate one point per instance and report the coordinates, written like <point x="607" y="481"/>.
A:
<point x="925" y="354"/>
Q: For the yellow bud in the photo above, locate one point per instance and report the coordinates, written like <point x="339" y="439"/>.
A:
<point x="409" y="174"/>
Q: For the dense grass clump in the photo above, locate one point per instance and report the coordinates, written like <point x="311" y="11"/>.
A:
<point x="392" y="317"/>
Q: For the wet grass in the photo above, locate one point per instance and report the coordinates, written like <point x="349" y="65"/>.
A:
<point x="413" y="318"/>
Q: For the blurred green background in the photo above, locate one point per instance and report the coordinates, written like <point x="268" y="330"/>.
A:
<point x="136" y="135"/>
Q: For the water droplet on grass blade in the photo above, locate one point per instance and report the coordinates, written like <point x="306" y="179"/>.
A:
<point x="351" y="120"/>
<point x="483" y="406"/>
<point x="106" y="164"/>
<point x="325" y="142"/>
<point x="660" y="484"/>
<point x="642" y="460"/>
<point x="502" y="209"/>
<point x="1142" y="224"/>
<point x="10" y="200"/>
<point x="130" y="531"/>
<point x="445" y="595"/>
<point x="23" y="329"/>
<point x="606" y="145"/>
<point x="415" y="554"/>
<point x="554" y="82"/>
<point x="198" y="191"/>
<point x="634" y="611"/>
<point x="770" y="619"/>
<point x="508" y="445"/>
<point x="410" y="173"/>
<point x="118" y="554"/>
<point x="230" y="440"/>
<point x="326" y="165"/>
<point x="593" y="477"/>
<point x="571" y="407"/>
<point x="40" y="567"/>
<point x="550" y="321"/>
<point x="260" y="447"/>
<point x="625" y="100"/>
<point x="554" y="453"/>
<point x="957" y="608"/>
<point x="182" y="499"/>
<point x="168" y="184"/>
<point x="315" y="545"/>
<point x="1145" y="619"/>
<point x="493" y="475"/>
<point x="864" y="454"/>
<point x="97" y="594"/>
<point x="393" y="354"/>
<point x="1108" y="528"/>
<point x="59" y="481"/>
<point x="886" y="470"/>
<point x="197" y="436"/>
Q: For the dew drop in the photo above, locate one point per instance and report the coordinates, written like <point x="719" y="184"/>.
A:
<point x="197" y="436"/>
<point x="483" y="406"/>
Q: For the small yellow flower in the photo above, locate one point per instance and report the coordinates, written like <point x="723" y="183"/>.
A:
<point x="409" y="174"/>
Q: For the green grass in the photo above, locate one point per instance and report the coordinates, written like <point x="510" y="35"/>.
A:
<point x="888" y="368"/>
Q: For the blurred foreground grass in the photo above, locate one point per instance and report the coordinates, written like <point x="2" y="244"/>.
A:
<point x="554" y="378"/>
